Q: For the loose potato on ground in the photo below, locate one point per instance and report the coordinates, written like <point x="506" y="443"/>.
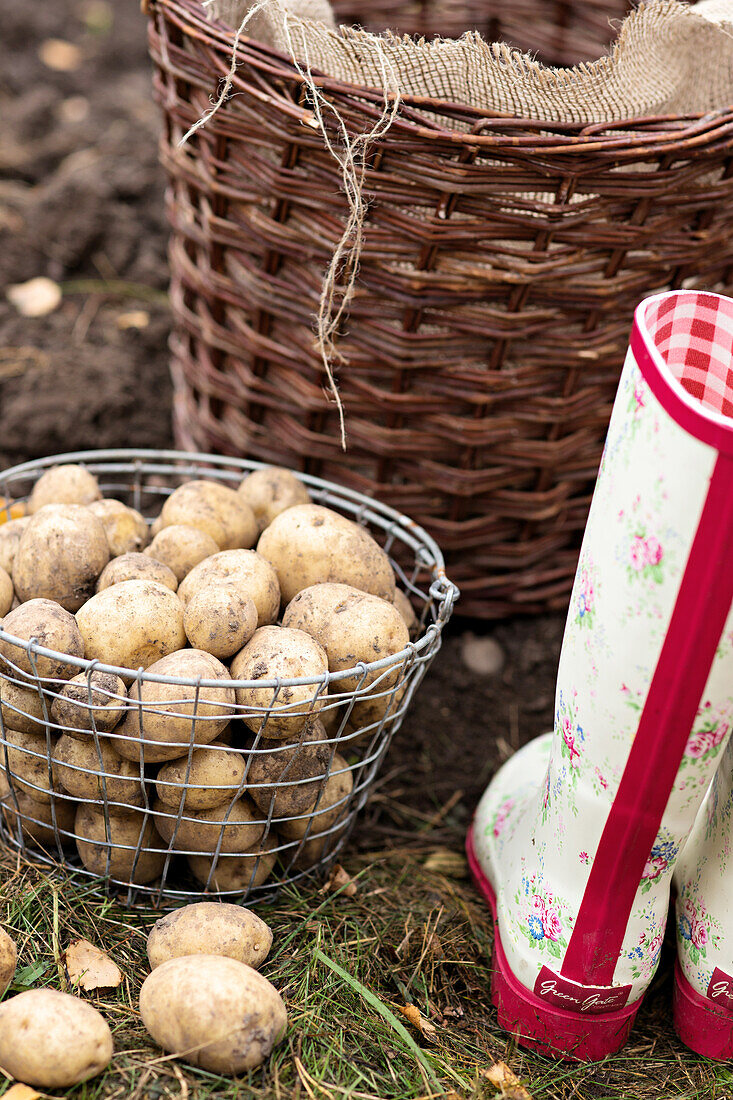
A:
<point x="88" y="701"/>
<point x="214" y="1012"/>
<point x="125" y="528"/>
<point x="352" y="626"/>
<point x="275" y="653"/>
<point x="132" y="624"/>
<point x="215" y="509"/>
<point x="136" y="567"/>
<point x="289" y="777"/>
<point x="77" y="768"/>
<point x="6" y="592"/>
<point x="165" y="722"/>
<point x="52" y="628"/>
<point x="210" y="928"/>
<point x="180" y="548"/>
<point x="331" y="808"/>
<point x="52" y="1040"/>
<point x="127" y="834"/>
<point x="9" y="957"/>
<point x="64" y="485"/>
<point x="36" y="819"/>
<point x="220" y="620"/>
<point x="10" y="536"/>
<point x="270" y="491"/>
<point x="251" y="574"/>
<point x="310" y="545"/>
<point x="236" y="874"/>
<point x="61" y="553"/>
<point x="27" y="760"/>
<point x="199" y="830"/>
<point x="22" y="708"/>
<point x="214" y="777"/>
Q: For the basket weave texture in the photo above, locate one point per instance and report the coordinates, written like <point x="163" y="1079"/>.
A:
<point x="501" y="265"/>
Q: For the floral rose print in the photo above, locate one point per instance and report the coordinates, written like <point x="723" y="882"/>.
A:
<point x="661" y="859"/>
<point x="585" y="599"/>
<point x="571" y="737"/>
<point x="501" y="815"/>
<point x="708" y="734"/>
<point x="696" y="930"/>
<point x="645" y="955"/>
<point x="645" y="557"/>
<point x="543" y="925"/>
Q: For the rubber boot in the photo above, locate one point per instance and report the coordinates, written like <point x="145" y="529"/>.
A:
<point x="575" y="840"/>
<point x="703" y="881"/>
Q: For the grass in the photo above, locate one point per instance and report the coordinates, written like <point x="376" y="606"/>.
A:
<point x="346" y="965"/>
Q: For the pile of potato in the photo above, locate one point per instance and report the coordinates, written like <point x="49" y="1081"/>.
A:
<point x="135" y="772"/>
<point x="204" y="1001"/>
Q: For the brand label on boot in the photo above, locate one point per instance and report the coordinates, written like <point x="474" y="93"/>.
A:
<point x="563" y="993"/>
<point x="720" y="988"/>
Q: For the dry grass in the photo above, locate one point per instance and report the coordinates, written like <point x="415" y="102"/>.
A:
<point x="414" y="932"/>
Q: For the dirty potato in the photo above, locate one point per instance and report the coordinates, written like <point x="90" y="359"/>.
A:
<point x="6" y="592"/>
<point x="132" y="852"/>
<point x="180" y="548"/>
<point x="136" y="567"/>
<point x="10" y="536"/>
<point x="64" y="485"/>
<point x="215" y="509"/>
<point x="96" y="775"/>
<point x="61" y="553"/>
<point x="213" y="778"/>
<point x="236" y="874"/>
<point x="251" y="574"/>
<point x="208" y="928"/>
<point x="125" y="528"/>
<point x="289" y="777"/>
<point x="52" y="627"/>
<point x="132" y="624"/>
<point x="93" y="700"/>
<point x="239" y="824"/>
<point x="220" y="620"/>
<point x="9" y="957"/>
<point x="53" y="1040"/>
<point x="274" y="653"/>
<point x="270" y="491"/>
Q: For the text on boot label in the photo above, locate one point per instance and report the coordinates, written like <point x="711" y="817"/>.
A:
<point x="720" y="988"/>
<point x="580" y="998"/>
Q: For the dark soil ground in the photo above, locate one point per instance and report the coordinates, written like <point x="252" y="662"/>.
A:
<point x="81" y="201"/>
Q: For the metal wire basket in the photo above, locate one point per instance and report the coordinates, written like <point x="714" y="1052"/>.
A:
<point x="245" y="846"/>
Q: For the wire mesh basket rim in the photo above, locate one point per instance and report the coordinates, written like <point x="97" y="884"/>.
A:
<point x="134" y="460"/>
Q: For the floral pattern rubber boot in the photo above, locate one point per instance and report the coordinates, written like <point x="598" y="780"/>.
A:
<point x="703" y="990"/>
<point x="575" y="841"/>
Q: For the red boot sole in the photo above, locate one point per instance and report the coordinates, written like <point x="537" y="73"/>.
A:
<point x="537" y="1024"/>
<point x="701" y="1025"/>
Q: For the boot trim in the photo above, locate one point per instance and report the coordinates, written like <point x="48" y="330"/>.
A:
<point x="577" y="1036"/>
<point x="703" y="1024"/>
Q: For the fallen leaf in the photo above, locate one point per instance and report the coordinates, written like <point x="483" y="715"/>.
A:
<point x="21" y="1092"/>
<point x="339" y="879"/>
<point x="89" y="968"/>
<point x="135" y="318"/>
<point x="446" y="861"/>
<point x="35" y="298"/>
<point x="506" y="1083"/>
<point x="414" y="1016"/>
<point x="61" y="56"/>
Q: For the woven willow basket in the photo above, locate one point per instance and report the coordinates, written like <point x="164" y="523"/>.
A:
<point x="499" y="275"/>
<point x="250" y="846"/>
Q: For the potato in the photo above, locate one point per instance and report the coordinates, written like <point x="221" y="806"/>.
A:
<point x="28" y="763"/>
<point x="125" y="528"/>
<point x="214" y="778"/>
<point x="199" y="830"/>
<point x="406" y="610"/>
<point x="286" y="654"/>
<point x="6" y="593"/>
<point x="270" y="491"/>
<point x="64" y="485"/>
<point x="156" y="527"/>
<point x="77" y="768"/>
<point x="61" y="553"/>
<point x="9" y="957"/>
<point x="53" y="1040"/>
<point x="215" y="509"/>
<point x="213" y="1012"/>
<point x="236" y="874"/>
<point x="127" y="835"/>
<point x="132" y="624"/>
<point x="210" y="928"/>
<point x="220" y="620"/>
<point x="247" y="571"/>
<point x="353" y="627"/>
<point x="52" y="628"/>
<point x="331" y="808"/>
<point x="294" y="773"/>
<point x="167" y="709"/>
<point x="36" y="819"/>
<point x="369" y="709"/>
<point x="310" y="545"/>
<point x="136" y="567"/>
<point x="88" y="701"/>
<point x="22" y="708"/>
<point x="180" y="548"/>
<point x="10" y="536"/>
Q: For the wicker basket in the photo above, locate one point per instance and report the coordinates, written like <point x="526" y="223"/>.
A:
<point x="498" y="279"/>
<point x="360" y="710"/>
